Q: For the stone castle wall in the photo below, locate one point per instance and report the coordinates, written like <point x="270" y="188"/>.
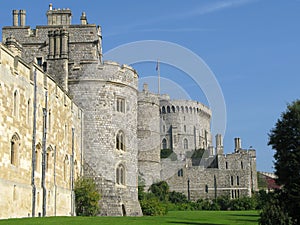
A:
<point x="16" y="110"/>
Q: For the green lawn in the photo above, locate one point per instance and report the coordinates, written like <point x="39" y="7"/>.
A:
<point x="173" y="217"/>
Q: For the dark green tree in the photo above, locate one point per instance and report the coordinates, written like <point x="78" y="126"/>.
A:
<point x="285" y="140"/>
<point x="86" y="197"/>
<point x="160" y="190"/>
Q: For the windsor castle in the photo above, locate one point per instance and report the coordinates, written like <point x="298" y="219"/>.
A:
<point x="66" y="113"/>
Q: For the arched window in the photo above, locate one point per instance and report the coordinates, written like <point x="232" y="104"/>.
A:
<point x="177" y="108"/>
<point x="231" y="180"/>
<point x="242" y="166"/>
<point x="180" y="173"/>
<point x="16" y="104"/>
<point x="163" y="110"/>
<point x="182" y="109"/>
<point x="191" y="110"/>
<point x="173" y="108"/>
<point x="168" y="109"/>
<point x="185" y="144"/>
<point x="120" y="174"/>
<point x="14" y="149"/>
<point x="48" y="159"/>
<point x="164" y="144"/>
<point x="120" y="141"/>
<point x="237" y="180"/>
<point x="186" y="109"/>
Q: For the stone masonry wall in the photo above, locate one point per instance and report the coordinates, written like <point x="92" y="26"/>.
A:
<point x="16" y="116"/>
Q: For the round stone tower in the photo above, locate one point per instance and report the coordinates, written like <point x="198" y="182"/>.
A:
<point x="148" y="137"/>
<point x="108" y="95"/>
<point x="185" y="125"/>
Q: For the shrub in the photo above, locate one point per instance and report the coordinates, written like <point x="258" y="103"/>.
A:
<point x="153" y="207"/>
<point x="86" y="197"/>
<point x="177" y="197"/>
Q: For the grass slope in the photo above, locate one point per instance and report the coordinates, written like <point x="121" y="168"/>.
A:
<point x="173" y="217"/>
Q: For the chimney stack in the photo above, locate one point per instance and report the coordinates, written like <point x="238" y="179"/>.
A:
<point x="22" y="18"/>
<point x="219" y="144"/>
<point x="238" y="145"/>
<point x="15" y="17"/>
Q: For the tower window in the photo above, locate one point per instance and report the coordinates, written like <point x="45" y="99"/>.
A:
<point x="120" y="141"/>
<point x="121" y="105"/>
<point x="120" y="175"/>
<point x="180" y="173"/>
<point x="185" y="144"/>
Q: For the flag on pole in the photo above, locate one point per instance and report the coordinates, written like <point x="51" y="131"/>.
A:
<point x="158" y="74"/>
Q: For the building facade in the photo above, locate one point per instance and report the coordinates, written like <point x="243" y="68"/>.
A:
<point x="97" y="124"/>
<point x="23" y="109"/>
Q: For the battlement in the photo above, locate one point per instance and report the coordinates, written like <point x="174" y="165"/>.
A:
<point x="184" y="106"/>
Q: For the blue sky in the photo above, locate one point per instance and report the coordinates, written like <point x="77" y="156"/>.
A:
<point x="252" y="47"/>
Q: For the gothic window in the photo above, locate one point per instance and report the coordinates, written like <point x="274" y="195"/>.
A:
<point x="180" y="173"/>
<point x="164" y="128"/>
<point x="182" y="109"/>
<point x="186" y="109"/>
<point x="168" y="109"/>
<point x="120" y="141"/>
<point x="185" y="144"/>
<point x="242" y="166"/>
<point x="191" y="110"/>
<point x="184" y="128"/>
<point x="16" y="104"/>
<point x="163" y="110"/>
<point x="231" y="180"/>
<point x="164" y="144"/>
<point x="14" y="149"/>
<point x="120" y="174"/>
<point x="232" y="193"/>
<point x="121" y="105"/>
<point x="237" y="180"/>
<point x="226" y="165"/>
<point x="48" y="159"/>
<point x="177" y="109"/>
<point x="173" y="108"/>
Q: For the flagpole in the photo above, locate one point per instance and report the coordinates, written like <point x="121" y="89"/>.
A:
<point x="158" y="74"/>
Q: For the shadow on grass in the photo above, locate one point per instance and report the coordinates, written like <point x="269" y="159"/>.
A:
<point x="192" y="223"/>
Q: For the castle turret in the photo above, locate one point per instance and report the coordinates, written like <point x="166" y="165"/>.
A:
<point x="148" y="136"/>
